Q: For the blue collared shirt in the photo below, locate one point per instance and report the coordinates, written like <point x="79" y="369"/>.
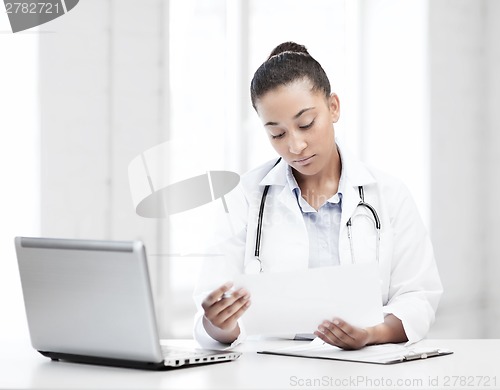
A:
<point x="323" y="225"/>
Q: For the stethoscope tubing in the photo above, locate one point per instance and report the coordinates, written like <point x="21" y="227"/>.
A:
<point x="259" y="221"/>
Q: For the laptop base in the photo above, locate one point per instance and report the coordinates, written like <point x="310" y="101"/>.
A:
<point x="55" y="356"/>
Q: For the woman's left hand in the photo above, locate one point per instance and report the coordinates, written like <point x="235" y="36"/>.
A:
<point x="342" y="335"/>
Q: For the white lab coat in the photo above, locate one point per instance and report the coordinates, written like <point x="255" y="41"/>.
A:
<point x="411" y="287"/>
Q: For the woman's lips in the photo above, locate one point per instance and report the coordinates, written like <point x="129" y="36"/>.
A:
<point x="304" y="161"/>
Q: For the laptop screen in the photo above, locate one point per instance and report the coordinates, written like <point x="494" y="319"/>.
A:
<point x="88" y="297"/>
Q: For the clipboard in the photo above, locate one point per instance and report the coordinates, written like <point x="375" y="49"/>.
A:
<point x="375" y="354"/>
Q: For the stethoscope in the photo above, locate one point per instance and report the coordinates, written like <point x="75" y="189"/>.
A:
<point x="256" y="265"/>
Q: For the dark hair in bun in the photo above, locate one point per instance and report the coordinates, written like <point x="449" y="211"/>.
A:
<point x="288" y="46"/>
<point x="287" y="63"/>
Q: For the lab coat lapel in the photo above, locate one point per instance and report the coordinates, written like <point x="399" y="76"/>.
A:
<point x="289" y="200"/>
<point x="291" y="231"/>
<point x="277" y="177"/>
<point x="296" y="239"/>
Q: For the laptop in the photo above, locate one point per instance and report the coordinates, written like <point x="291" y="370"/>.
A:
<point x="90" y="301"/>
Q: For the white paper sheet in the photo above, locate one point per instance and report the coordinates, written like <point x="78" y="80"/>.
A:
<point x="297" y="302"/>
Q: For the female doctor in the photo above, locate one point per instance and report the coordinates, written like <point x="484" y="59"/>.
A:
<point x="321" y="208"/>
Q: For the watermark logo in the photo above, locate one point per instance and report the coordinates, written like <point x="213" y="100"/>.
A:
<point x="26" y="14"/>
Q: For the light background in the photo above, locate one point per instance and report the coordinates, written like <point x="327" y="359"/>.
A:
<point x="83" y="95"/>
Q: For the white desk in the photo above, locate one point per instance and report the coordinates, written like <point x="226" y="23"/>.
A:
<point x="474" y="364"/>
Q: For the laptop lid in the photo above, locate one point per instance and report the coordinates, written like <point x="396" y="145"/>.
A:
<point x="88" y="298"/>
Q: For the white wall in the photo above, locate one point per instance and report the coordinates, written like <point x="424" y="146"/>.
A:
<point x="19" y="167"/>
<point x="491" y="225"/>
<point x="393" y="110"/>
<point x="103" y="78"/>
<point x="464" y="97"/>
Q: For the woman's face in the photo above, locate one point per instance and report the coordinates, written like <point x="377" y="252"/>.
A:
<point x="299" y="123"/>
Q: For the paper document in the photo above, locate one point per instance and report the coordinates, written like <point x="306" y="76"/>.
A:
<point x="297" y="302"/>
<point x="380" y="354"/>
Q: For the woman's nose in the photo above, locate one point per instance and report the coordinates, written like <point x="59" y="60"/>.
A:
<point x="296" y="143"/>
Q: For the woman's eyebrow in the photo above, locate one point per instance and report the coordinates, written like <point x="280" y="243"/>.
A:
<point x="302" y="111"/>
<point x="297" y="115"/>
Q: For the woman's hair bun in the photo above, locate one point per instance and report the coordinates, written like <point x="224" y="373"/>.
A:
<point x="287" y="63"/>
<point x="288" y="47"/>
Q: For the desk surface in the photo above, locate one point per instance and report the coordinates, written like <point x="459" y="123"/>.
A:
<point x="474" y="365"/>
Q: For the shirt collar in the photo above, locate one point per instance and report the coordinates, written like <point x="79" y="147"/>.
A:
<point x="294" y="187"/>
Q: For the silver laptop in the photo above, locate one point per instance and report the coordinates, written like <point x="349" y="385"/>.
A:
<point x="90" y="301"/>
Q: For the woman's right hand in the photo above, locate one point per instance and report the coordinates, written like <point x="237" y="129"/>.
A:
<point x="222" y="312"/>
